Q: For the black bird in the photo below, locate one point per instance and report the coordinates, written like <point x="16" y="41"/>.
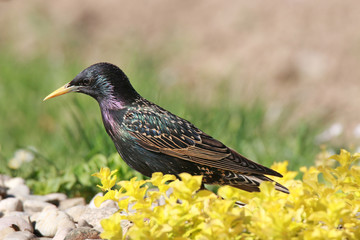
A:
<point x="150" y="139"/>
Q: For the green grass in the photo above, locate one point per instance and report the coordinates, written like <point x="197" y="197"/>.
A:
<point x="70" y="142"/>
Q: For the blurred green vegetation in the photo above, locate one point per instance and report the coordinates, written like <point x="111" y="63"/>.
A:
<point x="69" y="142"/>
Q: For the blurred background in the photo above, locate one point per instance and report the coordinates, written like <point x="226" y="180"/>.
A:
<point x="275" y="80"/>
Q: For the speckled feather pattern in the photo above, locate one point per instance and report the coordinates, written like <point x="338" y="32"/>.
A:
<point x="151" y="139"/>
<point x="159" y="131"/>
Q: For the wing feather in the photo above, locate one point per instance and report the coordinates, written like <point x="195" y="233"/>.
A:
<point x="165" y="133"/>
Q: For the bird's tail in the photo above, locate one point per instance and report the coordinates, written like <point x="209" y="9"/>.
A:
<point x="253" y="182"/>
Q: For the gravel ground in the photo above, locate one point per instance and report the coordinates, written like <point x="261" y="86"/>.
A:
<point x="54" y="216"/>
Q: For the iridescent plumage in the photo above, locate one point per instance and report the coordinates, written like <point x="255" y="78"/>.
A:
<point x="151" y="139"/>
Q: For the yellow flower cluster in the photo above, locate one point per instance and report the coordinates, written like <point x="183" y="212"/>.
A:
<point x="325" y="204"/>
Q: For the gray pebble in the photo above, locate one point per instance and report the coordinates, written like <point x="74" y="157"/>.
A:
<point x="82" y="233"/>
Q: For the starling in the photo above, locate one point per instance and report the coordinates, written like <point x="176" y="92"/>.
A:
<point x="151" y="139"/>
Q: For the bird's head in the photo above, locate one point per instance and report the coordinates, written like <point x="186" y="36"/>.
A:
<point x="105" y="82"/>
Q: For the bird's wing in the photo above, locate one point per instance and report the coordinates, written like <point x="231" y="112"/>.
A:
<point x="163" y="132"/>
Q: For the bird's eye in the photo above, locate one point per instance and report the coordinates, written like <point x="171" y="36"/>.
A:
<point x="86" y="82"/>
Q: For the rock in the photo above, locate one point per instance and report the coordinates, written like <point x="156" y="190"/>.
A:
<point x="11" y="204"/>
<point x="84" y="223"/>
<point x="17" y="223"/>
<point x="14" y="182"/>
<point x="17" y="214"/>
<point x="3" y="192"/>
<point x="33" y="206"/>
<point x="109" y="204"/>
<point x="5" y="232"/>
<point x="56" y="196"/>
<point x="20" y="191"/>
<point x="76" y="212"/>
<point x="21" y="235"/>
<point x="83" y="233"/>
<point x="62" y="233"/>
<point x="71" y="202"/>
<point x="91" y="215"/>
<point x="34" y="216"/>
<point x="50" y="220"/>
<point x="94" y="216"/>
<point x="125" y="225"/>
<point x="53" y="198"/>
<point x="23" y="215"/>
<point x="4" y="178"/>
<point x="92" y="204"/>
<point x="17" y="187"/>
<point x="53" y="215"/>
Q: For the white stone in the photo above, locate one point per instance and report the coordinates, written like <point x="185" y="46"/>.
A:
<point x="14" y="182"/>
<point x="83" y="223"/>
<point x="53" y="198"/>
<point x="4" y="232"/>
<point x="21" y="235"/>
<point x="34" y="216"/>
<point x="92" y="204"/>
<point x="11" y="204"/>
<point x="94" y="216"/>
<point x="33" y="206"/>
<point x="19" y="222"/>
<point x="62" y="233"/>
<point x="72" y="202"/>
<point x="56" y="196"/>
<point x="4" y="178"/>
<point x="76" y="212"/>
<point x="50" y="220"/>
<point x="22" y="214"/>
<point x="109" y="204"/>
<point x="20" y="191"/>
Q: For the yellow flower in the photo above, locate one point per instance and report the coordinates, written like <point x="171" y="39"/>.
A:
<point x="159" y="180"/>
<point x="188" y="185"/>
<point x="106" y="177"/>
<point x="114" y="195"/>
<point x="323" y="205"/>
<point x="112" y="227"/>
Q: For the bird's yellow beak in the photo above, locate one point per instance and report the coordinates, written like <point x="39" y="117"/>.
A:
<point x="64" y="89"/>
